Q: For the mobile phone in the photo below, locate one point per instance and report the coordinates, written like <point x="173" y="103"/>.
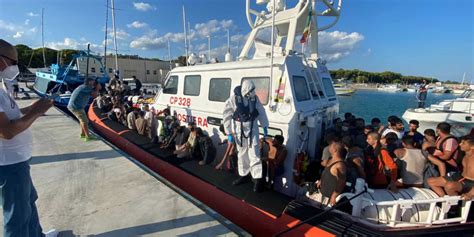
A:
<point x="52" y="96"/>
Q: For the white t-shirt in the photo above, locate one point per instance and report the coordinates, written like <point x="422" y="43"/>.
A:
<point x="389" y="130"/>
<point x="19" y="148"/>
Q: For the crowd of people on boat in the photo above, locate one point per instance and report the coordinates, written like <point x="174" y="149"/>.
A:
<point x="385" y="156"/>
<point x="189" y="142"/>
<point x="392" y="157"/>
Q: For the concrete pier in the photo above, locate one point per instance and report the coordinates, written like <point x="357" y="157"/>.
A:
<point x="91" y="189"/>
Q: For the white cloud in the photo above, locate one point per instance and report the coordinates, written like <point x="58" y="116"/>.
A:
<point x="32" y="14"/>
<point x="70" y="43"/>
<point x="18" y="34"/>
<point x="109" y="42"/>
<point x="8" y="26"/>
<point x="146" y="42"/>
<point x="121" y="34"/>
<point x="205" y="29"/>
<point x="238" y="38"/>
<point x="67" y="43"/>
<point x="137" y="24"/>
<point x="152" y="40"/>
<point x="336" y="45"/>
<point x="141" y="6"/>
<point x="27" y="21"/>
<point x="16" y="31"/>
<point x="227" y="24"/>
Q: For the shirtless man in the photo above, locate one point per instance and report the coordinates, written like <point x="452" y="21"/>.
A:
<point x="458" y="184"/>
<point x="333" y="178"/>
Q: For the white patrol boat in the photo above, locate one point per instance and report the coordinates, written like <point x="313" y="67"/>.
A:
<point x="296" y="91"/>
<point x="300" y="102"/>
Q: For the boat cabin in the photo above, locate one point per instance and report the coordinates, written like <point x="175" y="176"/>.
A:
<point x="300" y="104"/>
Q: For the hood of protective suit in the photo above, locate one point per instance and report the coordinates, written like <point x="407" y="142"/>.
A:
<point x="248" y="88"/>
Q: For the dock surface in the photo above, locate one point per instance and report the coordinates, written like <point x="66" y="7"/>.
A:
<point x="91" y="189"/>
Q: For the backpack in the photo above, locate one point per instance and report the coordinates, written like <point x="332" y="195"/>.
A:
<point x="244" y="113"/>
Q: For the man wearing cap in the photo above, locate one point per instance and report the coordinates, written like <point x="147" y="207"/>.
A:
<point x="17" y="192"/>
<point x="77" y="104"/>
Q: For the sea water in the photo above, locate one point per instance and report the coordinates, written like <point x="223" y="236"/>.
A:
<point x="368" y="104"/>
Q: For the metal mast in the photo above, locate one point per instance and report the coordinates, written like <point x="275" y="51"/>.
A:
<point x="42" y="36"/>
<point x="185" y="36"/>
<point x="115" y="37"/>
<point x="106" y="25"/>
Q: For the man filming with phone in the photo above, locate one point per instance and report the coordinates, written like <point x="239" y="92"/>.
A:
<point x="17" y="192"/>
<point x="80" y="97"/>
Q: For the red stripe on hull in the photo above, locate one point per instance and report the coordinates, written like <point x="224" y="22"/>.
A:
<point x="252" y="219"/>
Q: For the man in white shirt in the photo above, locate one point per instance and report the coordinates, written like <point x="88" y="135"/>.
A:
<point x="17" y="193"/>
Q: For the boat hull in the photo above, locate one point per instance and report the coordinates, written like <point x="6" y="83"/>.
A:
<point x="241" y="212"/>
<point x="461" y="123"/>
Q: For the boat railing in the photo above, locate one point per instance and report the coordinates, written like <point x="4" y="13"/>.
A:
<point x="457" y="105"/>
<point x="435" y="211"/>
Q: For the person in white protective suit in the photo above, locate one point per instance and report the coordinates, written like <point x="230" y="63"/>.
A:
<point x="242" y="111"/>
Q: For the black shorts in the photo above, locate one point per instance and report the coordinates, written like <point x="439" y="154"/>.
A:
<point x="16" y="88"/>
<point x="467" y="184"/>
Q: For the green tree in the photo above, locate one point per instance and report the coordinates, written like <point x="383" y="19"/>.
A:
<point x="362" y="79"/>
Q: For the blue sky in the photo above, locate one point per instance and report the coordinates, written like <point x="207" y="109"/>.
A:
<point x="431" y="38"/>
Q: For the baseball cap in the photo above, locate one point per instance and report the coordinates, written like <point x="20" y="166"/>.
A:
<point x="7" y="50"/>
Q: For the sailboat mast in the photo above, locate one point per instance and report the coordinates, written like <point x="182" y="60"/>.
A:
<point x="105" y="37"/>
<point x="115" y="37"/>
<point x="42" y="36"/>
<point x="169" y="52"/>
<point x="185" y="36"/>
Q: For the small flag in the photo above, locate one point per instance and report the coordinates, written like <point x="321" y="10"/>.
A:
<point x="307" y="29"/>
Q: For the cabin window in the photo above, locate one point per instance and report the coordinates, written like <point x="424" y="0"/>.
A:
<point x="328" y="87"/>
<point x="312" y="86"/>
<point x="171" y="86"/>
<point x="148" y="72"/>
<point x="262" y="88"/>
<point x="93" y="69"/>
<point x="300" y="88"/>
<point x="219" y="89"/>
<point x="154" y="72"/>
<point x="192" y="85"/>
<point x="272" y="132"/>
<point x="110" y="70"/>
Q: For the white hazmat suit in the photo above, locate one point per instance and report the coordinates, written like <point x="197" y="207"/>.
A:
<point x="248" y="142"/>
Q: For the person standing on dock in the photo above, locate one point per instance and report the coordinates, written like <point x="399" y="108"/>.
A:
<point x="138" y="85"/>
<point x="421" y="94"/>
<point x="241" y="113"/>
<point x="17" y="192"/>
<point x="80" y="97"/>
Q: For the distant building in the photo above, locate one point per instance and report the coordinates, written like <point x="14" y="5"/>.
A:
<point x="147" y="70"/>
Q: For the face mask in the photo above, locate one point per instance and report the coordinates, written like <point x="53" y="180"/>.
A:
<point x="7" y="85"/>
<point x="10" y="72"/>
<point x="345" y="129"/>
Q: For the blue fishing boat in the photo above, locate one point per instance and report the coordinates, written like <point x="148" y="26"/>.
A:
<point x="60" y="81"/>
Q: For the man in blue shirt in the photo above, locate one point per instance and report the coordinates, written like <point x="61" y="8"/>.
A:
<point x="79" y="99"/>
<point x="417" y="137"/>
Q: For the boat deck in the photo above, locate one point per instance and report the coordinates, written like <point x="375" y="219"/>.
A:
<point x="92" y="189"/>
<point x="271" y="202"/>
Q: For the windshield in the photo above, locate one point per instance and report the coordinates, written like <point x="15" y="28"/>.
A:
<point x="171" y="86"/>
<point x="328" y="87"/>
